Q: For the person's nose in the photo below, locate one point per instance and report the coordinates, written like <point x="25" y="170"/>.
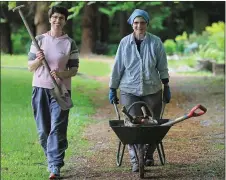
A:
<point x="57" y="20"/>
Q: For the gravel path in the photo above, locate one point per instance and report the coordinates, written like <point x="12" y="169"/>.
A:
<point x="194" y="149"/>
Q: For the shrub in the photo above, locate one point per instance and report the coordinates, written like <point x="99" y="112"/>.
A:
<point x="21" y="41"/>
<point x="216" y="35"/>
<point x="112" y="49"/>
<point x="214" y="48"/>
<point x="207" y="52"/>
<point x="181" y="41"/>
<point x="170" y="46"/>
<point x="201" y="39"/>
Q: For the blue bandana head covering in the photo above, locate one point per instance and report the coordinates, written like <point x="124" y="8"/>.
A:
<point x="138" y="12"/>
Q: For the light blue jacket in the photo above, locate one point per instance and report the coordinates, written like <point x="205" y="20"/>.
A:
<point x="139" y="73"/>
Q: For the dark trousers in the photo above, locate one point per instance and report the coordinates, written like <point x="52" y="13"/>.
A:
<point x="154" y="102"/>
<point x="52" y="123"/>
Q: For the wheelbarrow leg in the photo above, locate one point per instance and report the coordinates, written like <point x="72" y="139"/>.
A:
<point x="120" y="154"/>
<point x="161" y="153"/>
<point x="141" y="160"/>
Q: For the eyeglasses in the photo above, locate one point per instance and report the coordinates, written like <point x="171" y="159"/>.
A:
<point x="58" y="17"/>
<point x="141" y="23"/>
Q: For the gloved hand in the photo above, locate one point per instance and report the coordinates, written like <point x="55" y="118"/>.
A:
<point x="113" y="96"/>
<point x="166" y="94"/>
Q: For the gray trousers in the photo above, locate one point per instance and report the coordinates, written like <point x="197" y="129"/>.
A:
<point x="154" y="102"/>
<point x="51" y="124"/>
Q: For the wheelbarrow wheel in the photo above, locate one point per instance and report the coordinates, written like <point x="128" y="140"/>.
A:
<point x="141" y="160"/>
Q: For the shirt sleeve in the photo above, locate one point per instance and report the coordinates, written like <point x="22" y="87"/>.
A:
<point x="33" y="49"/>
<point x="73" y="58"/>
<point x="162" y="65"/>
<point x="117" y="69"/>
<point x="32" y="52"/>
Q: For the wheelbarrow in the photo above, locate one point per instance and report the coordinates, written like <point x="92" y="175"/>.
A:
<point x="143" y="134"/>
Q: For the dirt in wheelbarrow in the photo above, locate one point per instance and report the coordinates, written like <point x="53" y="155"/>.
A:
<point x="194" y="148"/>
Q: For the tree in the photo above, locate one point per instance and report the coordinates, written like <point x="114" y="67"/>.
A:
<point x="69" y="24"/>
<point x="6" y="43"/>
<point x="89" y="34"/>
<point x="41" y="19"/>
<point x="123" y="25"/>
<point x="104" y="28"/>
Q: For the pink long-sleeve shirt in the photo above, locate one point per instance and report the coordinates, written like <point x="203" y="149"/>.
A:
<point x="61" y="53"/>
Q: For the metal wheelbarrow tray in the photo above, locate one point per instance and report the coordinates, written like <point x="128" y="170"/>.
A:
<point x="143" y="134"/>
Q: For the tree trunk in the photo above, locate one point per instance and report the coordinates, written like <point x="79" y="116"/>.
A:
<point x="104" y="28"/>
<point x="41" y="20"/>
<point x="89" y="33"/>
<point x="6" y="43"/>
<point x="68" y="27"/>
<point x="124" y="27"/>
<point x="200" y="19"/>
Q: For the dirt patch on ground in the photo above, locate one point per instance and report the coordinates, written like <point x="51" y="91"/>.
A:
<point x="194" y="148"/>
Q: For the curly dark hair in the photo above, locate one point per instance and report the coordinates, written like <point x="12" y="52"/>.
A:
<point x="58" y="9"/>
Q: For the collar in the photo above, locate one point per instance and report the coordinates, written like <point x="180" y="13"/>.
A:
<point x="64" y="35"/>
<point x="132" y="38"/>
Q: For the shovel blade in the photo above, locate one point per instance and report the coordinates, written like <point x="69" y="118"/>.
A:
<point x="64" y="100"/>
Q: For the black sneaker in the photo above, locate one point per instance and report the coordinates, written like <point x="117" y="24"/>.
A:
<point x="135" y="167"/>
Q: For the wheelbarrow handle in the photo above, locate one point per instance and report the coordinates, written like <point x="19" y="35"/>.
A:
<point x="194" y="114"/>
<point x="116" y="110"/>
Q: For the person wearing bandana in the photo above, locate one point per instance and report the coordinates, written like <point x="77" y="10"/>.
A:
<point x="140" y="72"/>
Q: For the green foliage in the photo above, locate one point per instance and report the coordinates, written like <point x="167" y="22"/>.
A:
<point x="181" y="42"/>
<point x="213" y="48"/>
<point x="207" y="52"/>
<point x="157" y="18"/>
<point x="157" y="15"/>
<point x="75" y="10"/>
<point x="112" y="49"/>
<point x="113" y="7"/>
<point x="3" y="20"/>
<point x="200" y="39"/>
<point x="21" y="41"/>
<point x="216" y="32"/>
<point x="106" y="11"/>
<point x="215" y="28"/>
<point x="11" y="5"/>
<point x="170" y="46"/>
<point x="55" y="3"/>
<point x="182" y="37"/>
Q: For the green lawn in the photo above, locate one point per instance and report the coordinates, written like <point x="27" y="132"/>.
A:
<point x="87" y="67"/>
<point x="21" y="154"/>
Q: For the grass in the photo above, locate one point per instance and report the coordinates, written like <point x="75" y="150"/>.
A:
<point x="14" y="60"/>
<point x="196" y="73"/>
<point x="21" y="154"/>
<point x="87" y="67"/>
<point x="94" y="68"/>
<point x="188" y="61"/>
